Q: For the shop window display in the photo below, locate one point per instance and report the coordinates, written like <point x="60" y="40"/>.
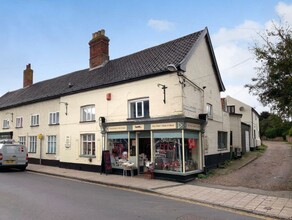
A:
<point x="191" y="150"/>
<point x="118" y="147"/>
<point x="168" y="151"/>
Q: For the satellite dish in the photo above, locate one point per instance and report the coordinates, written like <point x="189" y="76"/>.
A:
<point x="241" y="109"/>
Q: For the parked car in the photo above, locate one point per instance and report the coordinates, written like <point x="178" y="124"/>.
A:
<point x="13" y="155"/>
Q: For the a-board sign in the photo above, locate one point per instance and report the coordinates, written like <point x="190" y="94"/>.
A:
<point x="106" y="166"/>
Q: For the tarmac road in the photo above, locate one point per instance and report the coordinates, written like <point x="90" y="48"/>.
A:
<point x="29" y="196"/>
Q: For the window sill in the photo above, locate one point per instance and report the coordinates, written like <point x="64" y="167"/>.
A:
<point x="51" y="153"/>
<point x="18" y="127"/>
<point x="92" y="121"/>
<point x="34" y="126"/>
<point x="87" y="156"/>
<point x="5" y="128"/>
<point x="54" y="124"/>
<point x="31" y="152"/>
<point x="138" y="118"/>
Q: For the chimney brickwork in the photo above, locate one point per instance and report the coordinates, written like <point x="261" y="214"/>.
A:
<point x="99" y="49"/>
<point x="27" y="76"/>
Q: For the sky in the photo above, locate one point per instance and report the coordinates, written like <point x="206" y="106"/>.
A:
<point x="53" y="35"/>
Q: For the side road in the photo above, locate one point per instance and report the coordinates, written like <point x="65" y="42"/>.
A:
<point x="271" y="206"/>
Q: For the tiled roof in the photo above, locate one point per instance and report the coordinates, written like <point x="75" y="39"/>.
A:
<point x="146" y="63"/>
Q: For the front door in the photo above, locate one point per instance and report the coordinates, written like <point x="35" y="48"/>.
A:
<point x="144" y="150"/>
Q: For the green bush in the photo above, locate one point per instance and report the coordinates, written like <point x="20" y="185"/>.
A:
<point x="290" y="132"/>
<point x="273" y="132"/>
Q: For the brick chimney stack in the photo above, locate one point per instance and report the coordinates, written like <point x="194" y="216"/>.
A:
<point x="27" y="76"/>
<point x="98" y="49"/>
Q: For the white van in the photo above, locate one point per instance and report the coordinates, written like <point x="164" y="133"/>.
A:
<point x="13" y="155"/>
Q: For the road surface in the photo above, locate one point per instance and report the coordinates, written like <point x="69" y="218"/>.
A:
<point x="30" y="196"/>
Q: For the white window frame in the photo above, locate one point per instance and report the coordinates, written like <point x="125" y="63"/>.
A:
<point x="6" y="124"/>
<point x="34" y="120"/>
<point x="52" y="144"/>
<point x="19" y="122"/>
<point x="209" y="108"/>
<point x="32" y="144"/>
<point x="87" y="113"/>
<point x="88" y="144"/>
<point x="22" y="140"/>
<point x="54" y="118"/>
<point x="136" y="103"/>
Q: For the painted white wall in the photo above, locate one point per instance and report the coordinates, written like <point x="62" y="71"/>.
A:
<point x="42" y="109"/>
<point x="235" y="127"/>
<point x="250" y="117"/>
<point x="199" y="69"/>
<point x="115" y="110"/>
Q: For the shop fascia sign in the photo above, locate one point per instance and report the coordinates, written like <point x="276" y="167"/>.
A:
<point x="155" y="126"/>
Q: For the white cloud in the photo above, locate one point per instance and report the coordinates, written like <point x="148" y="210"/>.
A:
<point x="235" y="60"/>
<point x="161" y="25"/>
<point x="285" y="12"/>
<point x="241" y="33"/>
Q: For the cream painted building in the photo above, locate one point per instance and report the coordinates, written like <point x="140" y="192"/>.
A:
<point x="250" y="117"/>
<point x="159" y="107"/>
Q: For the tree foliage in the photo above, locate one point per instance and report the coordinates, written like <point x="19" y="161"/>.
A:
<point x="273" y="84"/>
<point x="272" y="125"/>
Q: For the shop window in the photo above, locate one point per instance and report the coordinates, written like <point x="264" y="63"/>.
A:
<point x="139" y="108"/>
<point x="118" y="147"/>
<point x="222" y="140"/>
<point x="52" y="144"/>
<point x="32" y="144"/>
<point x="34" y="120"/>
<point x="54" y="118"/>
<point x="168" y="151"/>
<point x="87" y="113"/>
<point x="88" y="144"/>
<point x="192" y="157"/>
<point x="19" y="121"/>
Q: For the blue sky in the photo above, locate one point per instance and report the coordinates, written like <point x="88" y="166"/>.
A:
<point x="53" y="35"/>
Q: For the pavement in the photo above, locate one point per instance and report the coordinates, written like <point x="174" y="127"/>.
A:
<point x="275" y="207"/>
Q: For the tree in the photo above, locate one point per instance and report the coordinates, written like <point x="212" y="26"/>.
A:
<point x="273" y="84"/>
<point x="272" y="125"/>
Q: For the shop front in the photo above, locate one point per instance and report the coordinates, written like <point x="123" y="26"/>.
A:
<point x="173" y="149"/>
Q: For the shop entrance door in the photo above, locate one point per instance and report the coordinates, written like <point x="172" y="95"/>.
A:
<point x="144" y="144"/>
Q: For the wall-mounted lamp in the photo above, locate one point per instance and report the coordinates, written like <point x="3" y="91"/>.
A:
<point x="10" y="113"/>
<point x="66" y="105"/>
<point x="164" y="93"/>
<point x="171" y="68"/>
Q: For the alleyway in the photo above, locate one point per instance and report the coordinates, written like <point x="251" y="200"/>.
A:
<point x="271" y="171"/>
